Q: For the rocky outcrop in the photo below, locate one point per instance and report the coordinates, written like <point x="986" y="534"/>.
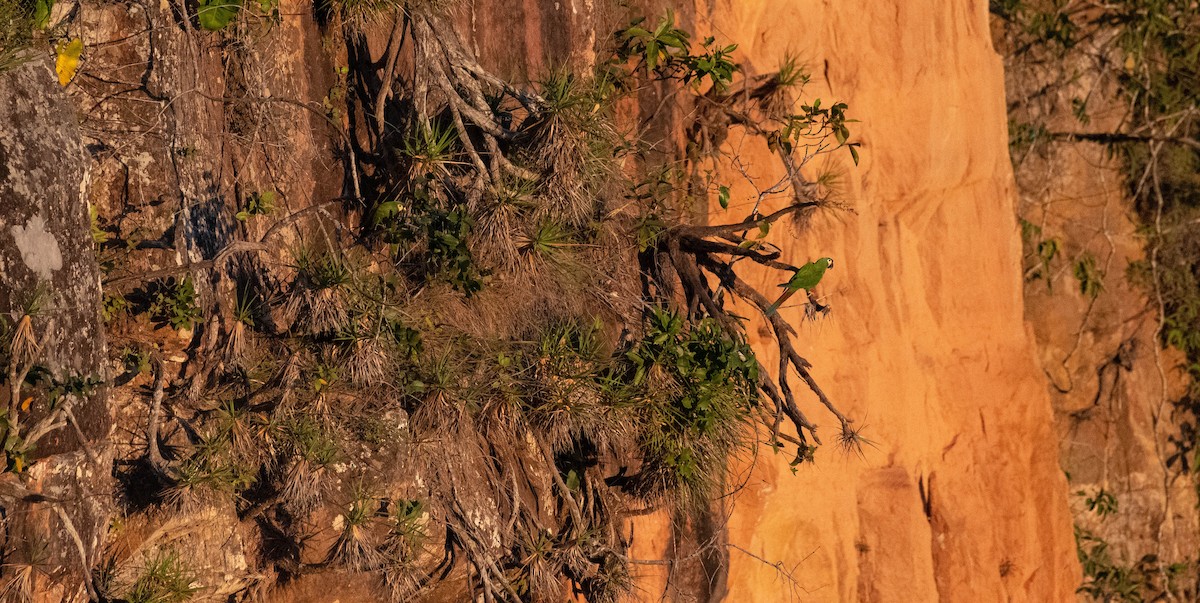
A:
<point x="1113" y="386"/>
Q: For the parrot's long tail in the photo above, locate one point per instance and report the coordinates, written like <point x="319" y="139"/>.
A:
<point x="782" y="298"/>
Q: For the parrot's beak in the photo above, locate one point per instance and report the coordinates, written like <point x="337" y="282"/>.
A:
<point x="830" y="264"/>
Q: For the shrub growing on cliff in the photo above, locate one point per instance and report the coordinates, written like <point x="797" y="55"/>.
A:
<point x="173" y="301"/>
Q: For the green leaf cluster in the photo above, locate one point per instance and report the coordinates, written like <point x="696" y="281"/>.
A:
<point x="812" y="125"/>
<point x="666" y="52"/>
<point x="215" y="15"/>
<point x="174" y="301"/>
<point x="444" y="231"/>
<point x="257" y="204"/>
<point x="711" y="378"/>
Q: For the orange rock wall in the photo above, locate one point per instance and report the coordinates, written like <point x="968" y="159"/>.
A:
<point x="961" y="498"/>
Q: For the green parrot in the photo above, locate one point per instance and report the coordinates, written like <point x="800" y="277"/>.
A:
<point x="806" y="277"/>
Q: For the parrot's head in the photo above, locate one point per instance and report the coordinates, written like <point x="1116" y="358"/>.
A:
<point x="828" y="263"/>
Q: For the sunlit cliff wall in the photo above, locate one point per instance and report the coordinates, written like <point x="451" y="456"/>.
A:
<point x="961" y="498"/>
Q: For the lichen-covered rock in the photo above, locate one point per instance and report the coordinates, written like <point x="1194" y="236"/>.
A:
<point x="46" y="260"/>
<point x="44" y="235"/>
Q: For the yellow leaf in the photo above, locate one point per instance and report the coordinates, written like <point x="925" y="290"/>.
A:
<point x="18" y="465"/>
<point x="26" y="403"/>
<point x="68" y="59"/>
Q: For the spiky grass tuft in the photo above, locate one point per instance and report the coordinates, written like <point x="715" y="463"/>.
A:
<point x="213" y="474"/>
<point x="792" y="73"/>
<point x="403" y="546"/>
<point x="364" y="354"/>
<point x="164" y="579"/>
<point x="501" y="214"/>
<point x="238" y="344"/>
<point x="361" y="13"/>
<point x="320" y="296"/>
<point x="356" y="546"/>
<point x="431" y="149"/>
<point x="19" y="573"/>
<point x="567" y="137"/>
<point x="850" y="440"/>
<point x="547" y="242"/>
<point x="311" y="449"/>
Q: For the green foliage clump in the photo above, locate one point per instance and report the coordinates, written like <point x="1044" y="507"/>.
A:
<point x="1045" y="250"/>
<point x="666" y="52"/>
<point x="217" y="15"/>
<point x="1103" y="503"/>
<point x="708" y="381"/>
<point x="1090" y="281"/>
<point x="311" y="441"/>
<point x="1105" y="580"/>
<point x="18" y="20"/>
<point x="99" y="235"/>
<point x="174" y="302"/>
<point x="113" y="306"/>
<point x="135" y="360"/>
<point x="257" y="204"/>
<point x="407" y="526"/>
<point x="445" y="232"/>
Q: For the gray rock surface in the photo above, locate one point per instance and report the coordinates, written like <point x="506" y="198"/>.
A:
<point x="46" y="250"/>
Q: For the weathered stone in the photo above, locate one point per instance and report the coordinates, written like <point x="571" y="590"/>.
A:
<point x="46" y="250"/>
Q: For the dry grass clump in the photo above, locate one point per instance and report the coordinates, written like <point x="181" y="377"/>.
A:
<point x="319" y="301"/>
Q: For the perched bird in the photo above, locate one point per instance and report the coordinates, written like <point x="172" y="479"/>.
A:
<point x="805" y="277"/>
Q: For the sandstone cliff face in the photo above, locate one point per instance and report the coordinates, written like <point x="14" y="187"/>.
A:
<point x="961" y="497"/>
